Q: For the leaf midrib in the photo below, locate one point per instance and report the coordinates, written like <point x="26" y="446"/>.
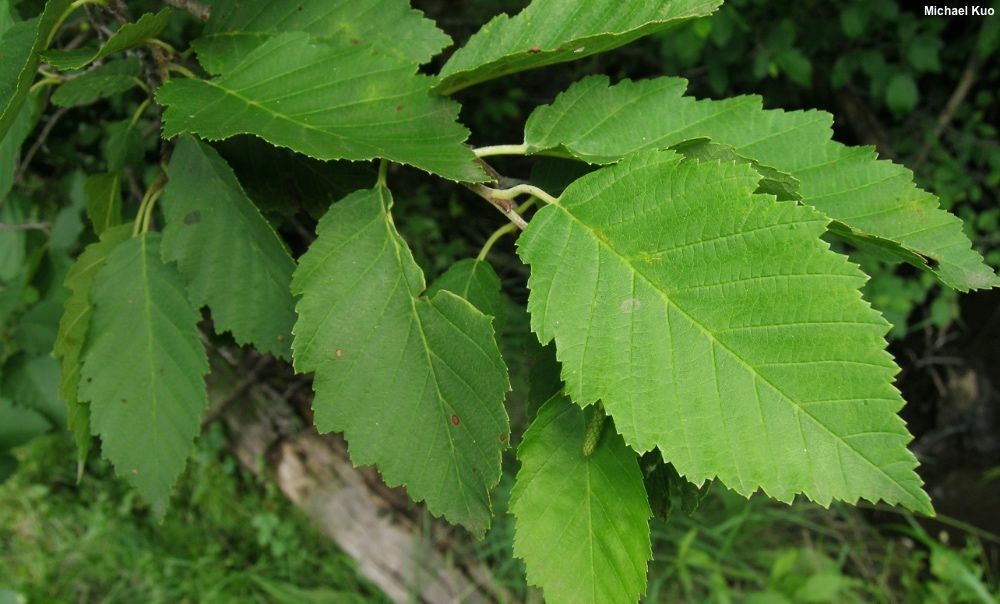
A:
<point x="802" y="411"/>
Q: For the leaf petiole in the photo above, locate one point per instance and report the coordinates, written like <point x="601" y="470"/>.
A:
<point x="158" y="42"/>
<point x="383" y="171"/>
<point x="521" y="149"/>
<point x="138" y="112"/>
<point x="497" y="234"/>
<point x="184" y="71"/>
<point x="153" y="193"/>
<point x="523" y="189"/>
<point x="66" y="13"/>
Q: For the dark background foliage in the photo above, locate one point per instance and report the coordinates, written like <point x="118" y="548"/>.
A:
<point x="922" y="90"/>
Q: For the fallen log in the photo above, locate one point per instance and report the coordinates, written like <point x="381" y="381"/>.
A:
<point x="398" y="547"/>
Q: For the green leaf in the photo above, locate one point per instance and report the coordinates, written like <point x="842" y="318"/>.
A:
<point x="104" y="200"/>
<point x="8" y="16"/>
<point x="19" y="60"/>
<point x="10" y="147"/>
<point x="901" y="94"/>
<point x="417" y="385"/>
<point x="582" y="522"/>
<point x="328" y="99"/>
<point x="664" y="485"/>
<point x="129" y="36"/>
<point x="475" y="281"/>
<point x="391" y="26"/>
<point x="19" y="424"/>
<point x="874" y="200"/>
<point x="544" y="377"/>
<point x="73" y="329"/>
<point x="922" y="53"/>
<point x="555" y="31"/>
<point x="30" y="381"/>
<point x="783" y="186"/>
<point x="229" y="254"/>
<point x="279" y="180"/>
<point x="13" y="244"/>
<point x="101" y="82"/>
<point x="8" y="467"/>
<point x="794" y="63"/>
<point x="143" y="368"/>
<point x="37" y="327"/>
<point x="716" y="325"/>
<point x="853" y="20"/>
<point x="123" y="146"/>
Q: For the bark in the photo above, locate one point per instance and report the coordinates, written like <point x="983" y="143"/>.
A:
<point x="398" y="547"/>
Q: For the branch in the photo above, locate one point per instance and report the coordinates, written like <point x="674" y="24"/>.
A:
<point x="197" y="9"/>
<point x="44" y="134"/>
<point x="507" y="207"/>
<point x="956" y="100"/>
<point x="30" y="226"/>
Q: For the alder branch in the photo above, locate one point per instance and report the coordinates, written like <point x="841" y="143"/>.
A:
<point x="197" y="9"/>
<point x="44" y="134"/>
<point x="954" y="102"/>
<point x="29" y="226"/>
<point x="507" y="207"/>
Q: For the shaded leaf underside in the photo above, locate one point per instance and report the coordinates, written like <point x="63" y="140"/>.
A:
<point x="874" y="202"/>
<point x="556" y="31"/>
<point x="19" y="59"/>
<point x="716" y="325"/>
<point x="416" y="385"/>
<point x="101" y="82"/>
<point x="129" y="36"/>
<point x="231" y="257"/>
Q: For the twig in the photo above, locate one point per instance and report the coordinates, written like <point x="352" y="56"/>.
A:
<point x="507" y="207"/>
<point x="197" y="9"/>
<point x="38" y="144"/>
<point x="956" y="100"/>
<point x="30" y="226"/>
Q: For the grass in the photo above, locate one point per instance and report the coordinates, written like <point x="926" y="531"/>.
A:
<point x="226" y="537"/>
<point x="759" y="551"/>
<point x="230" y="538"/>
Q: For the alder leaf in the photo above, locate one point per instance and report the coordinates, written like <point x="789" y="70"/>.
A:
<point x="30" y="381"/>
<point x="475" y="281"/>
<point x="229" y="254"/>
<point x="100" y="82"/>
<point x="716" y="325"/>
<point x="874" y="202"/>
<point x="104" y="200"/>
<point x="19" y="59"/>
<point x="19" y="424"/>
<point x="143" y="368"/>
<point x="783" y="186"/>
<point x="128" y="36"/>
<point x="237" y="27"/>
<point x="416" y="384"/>
<point x="328" y="99"/>
<point x="10" y="147"/>
<point x="556" y="31"/>
<point x="73" y="327"/>
<point x="582" y="521"/>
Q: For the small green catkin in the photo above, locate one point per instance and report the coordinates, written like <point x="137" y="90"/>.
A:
<point x="594" y="429"/>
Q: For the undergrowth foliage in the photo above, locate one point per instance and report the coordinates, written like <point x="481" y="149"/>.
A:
<point x="703" y="326"/>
